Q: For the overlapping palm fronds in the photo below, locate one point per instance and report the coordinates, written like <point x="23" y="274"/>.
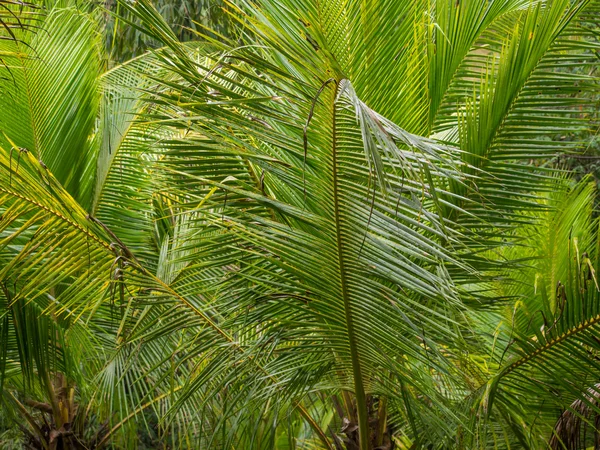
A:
<point x="340" y="230"/>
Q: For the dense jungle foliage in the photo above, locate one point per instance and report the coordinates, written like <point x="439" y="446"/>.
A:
<point x="299" y="224"/>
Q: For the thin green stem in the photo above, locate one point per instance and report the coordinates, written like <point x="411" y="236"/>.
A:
<point x="29" y="419"/>
<point x="359" y="391"/>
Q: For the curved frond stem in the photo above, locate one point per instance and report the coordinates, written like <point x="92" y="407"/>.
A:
<point x="303" y="412"/>
<point x="563" y="337"/>
<point x="59" y="215"/>
<point x="131" y="415"/>
<point x="30" y="420"/>
<point x="359" y="390"/>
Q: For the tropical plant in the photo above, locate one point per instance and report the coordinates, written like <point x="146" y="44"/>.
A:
<point x="341" y="230"/>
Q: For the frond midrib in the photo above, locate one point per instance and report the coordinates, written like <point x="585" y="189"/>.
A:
<point x="59" y="215"/>
<point x="583" y="326"/>
<point x="359" y="392"/>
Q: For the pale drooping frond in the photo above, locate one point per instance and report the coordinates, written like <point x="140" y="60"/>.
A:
<point x="50" y="98"/>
